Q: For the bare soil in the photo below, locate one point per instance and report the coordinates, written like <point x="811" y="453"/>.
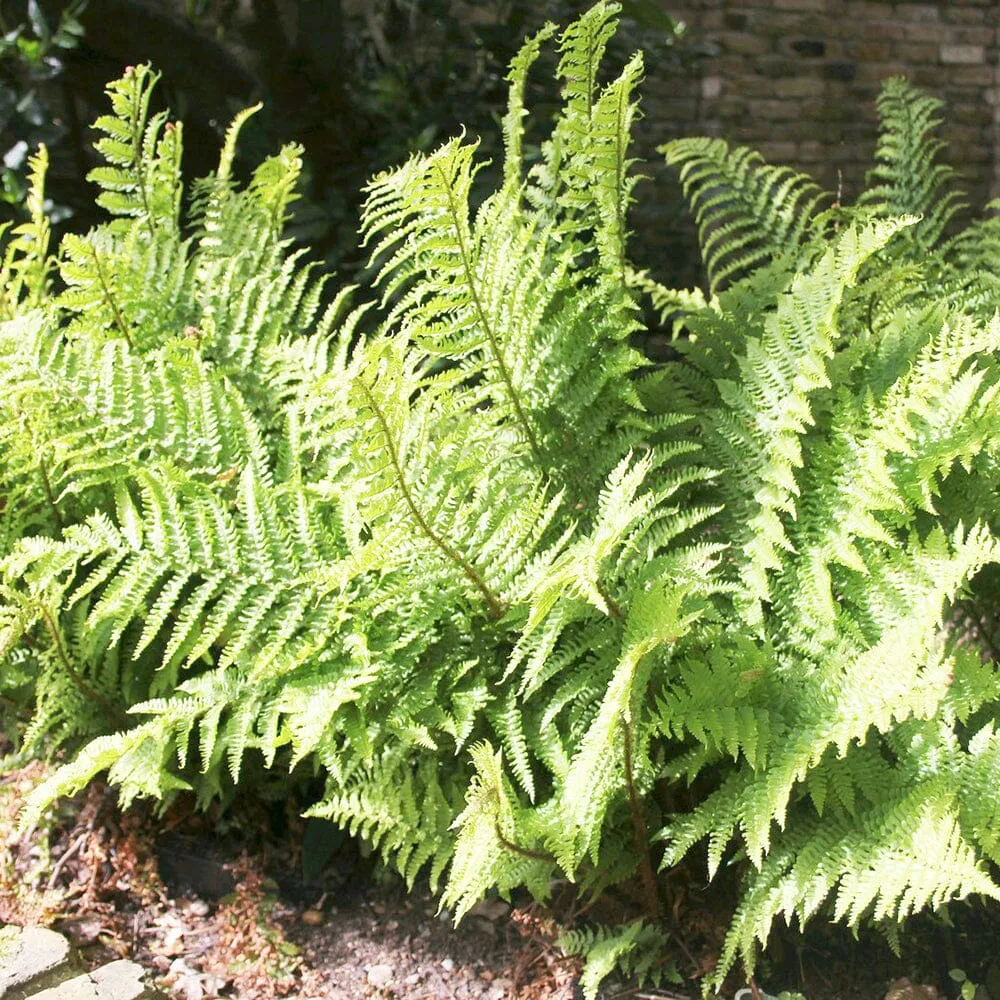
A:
<point x="235" y="905"/>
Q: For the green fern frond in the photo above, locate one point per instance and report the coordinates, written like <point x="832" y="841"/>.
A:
<point x="632" y="948"/>
<point x="142" y="178"/>
<point x="748" y="213"/>
<point x="25" y="265"/>
<point x="906" y="178"/>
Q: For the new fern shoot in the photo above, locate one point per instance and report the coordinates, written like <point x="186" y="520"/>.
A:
<point x="451" y="545"/>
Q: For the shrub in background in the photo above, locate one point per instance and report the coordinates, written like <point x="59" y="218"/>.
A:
<point x="486" y="571"/>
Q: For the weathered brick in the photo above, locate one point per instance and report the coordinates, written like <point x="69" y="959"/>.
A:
<point x="812" y="152"/>
<point x="829" y="111"/>
<point x="956" y="14"/>
<point x="962" y="54"/>
<point x="971" y="114"/>
<point x="876" y="72"/>
<point x="755" y="86"/>
<point x="802" y="86"/>
<point x="775" y="66"/>
<point x="933" y="76"/>
<point x="971" y="76"/>
<point x="916" y="53"/>
<point x="730" y="66"/>
<point x="711" y="87"/>
<point x="747" y="134"/>
<point x="975" y="154"/>
<point x="868" y="51"/>
<point x="917" y="11"/>
<point x="730" y="108"/>
<point x="743" y="43"/>
<point x="926" y="33"/>
<point x="863" y="10"/>
<point x="775" y="111"/>
<point x="778" y="152"/>
<point x="883" y="31"/>
<point x="801" y="129"/>
<point x="815" y="5"/>
<point x="963" y="135"/>
<point x="967" y="36"/>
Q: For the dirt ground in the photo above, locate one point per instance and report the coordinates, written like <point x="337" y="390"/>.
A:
<point x="255" y="906"/>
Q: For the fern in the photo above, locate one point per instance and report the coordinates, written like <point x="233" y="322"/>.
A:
<point x="836" y="778"/>
<point x="631" y="948"/>
<point x="747" y="213"/>
<point x="451" y="545"/>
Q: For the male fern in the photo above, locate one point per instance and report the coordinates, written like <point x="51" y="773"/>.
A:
<point x="452" y="545"/>
<point x="847" y="386"/>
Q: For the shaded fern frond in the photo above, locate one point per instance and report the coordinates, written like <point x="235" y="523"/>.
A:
<point x="906" y="178"/>
<point x="747" y="212"/>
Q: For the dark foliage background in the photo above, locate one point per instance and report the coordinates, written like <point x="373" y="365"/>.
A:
<point x="360" y="85"/>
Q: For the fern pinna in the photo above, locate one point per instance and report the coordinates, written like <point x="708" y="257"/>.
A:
<point x="456" y="549"/>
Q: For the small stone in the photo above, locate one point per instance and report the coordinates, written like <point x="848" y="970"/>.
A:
<point x="490" y="909"/>
<point x="448" y="964"/>
<point x="313" y="918"/>
<point x="172" y="944"/>
<point x="379" y="975"/>
<point x="189" y="987"/>
<point x="967" y="55"/>
<point x="78" y="988"/>
<point x="121" y="980"/>
<point x="214" y="985"/>
<point x="903" y="989"/>
<point x="413" y="979"/>
<point x="36" y="952"/>
<point x="84" y="930"/>
<point x="199" y="908"/>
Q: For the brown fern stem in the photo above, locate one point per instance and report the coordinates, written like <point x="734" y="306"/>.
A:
<point x="113" y="711"/>
<point x="491" y="336"/>
<point x="496" y="607"/>
<point x="640" y="833"/>
<point x="524" y="852"/>
<point x="110" y="298"/>
<point x="613" y="606"/>
<point x="49" y="495"/>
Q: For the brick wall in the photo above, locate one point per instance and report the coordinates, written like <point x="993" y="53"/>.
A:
<point x="797" y="80"/>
